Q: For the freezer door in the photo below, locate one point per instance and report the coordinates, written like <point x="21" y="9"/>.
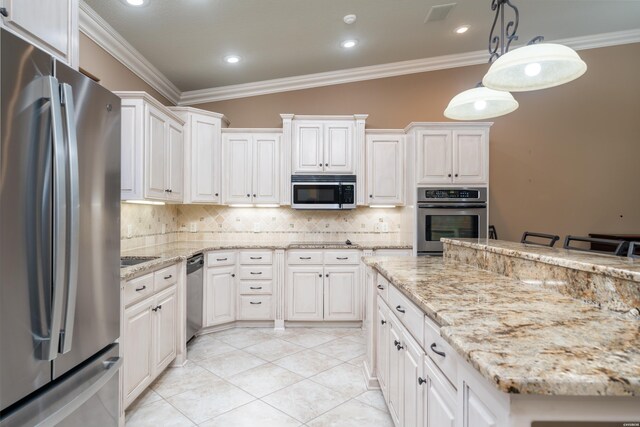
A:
<point x="26" y="233"/>
<point x="91" y="317"/>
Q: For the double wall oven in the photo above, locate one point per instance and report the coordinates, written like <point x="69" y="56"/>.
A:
<point x="449" y="212"/>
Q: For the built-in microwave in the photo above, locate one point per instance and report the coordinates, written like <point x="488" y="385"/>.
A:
<point x="323" y="191"/>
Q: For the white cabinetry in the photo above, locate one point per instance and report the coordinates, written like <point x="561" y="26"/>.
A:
<point x="51" y="25"/>
<point x="256" y="285"/>
<point x="439" y="398"/>
<point x="305" y="293"/>
<point x="323" y="146"/>
<point x="203" y="160"/>
<point x="341" y="296"/>
<point x="385" y="169"/>
<point x="251" y="168"/>
<point x="451" y="154"/>
<point x="219" y="295"/>
<point x="152" y="147"/>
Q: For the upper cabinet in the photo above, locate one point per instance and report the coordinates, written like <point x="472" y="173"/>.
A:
<point x="251" y="166"/>
<point x="152" y="145"/>
<point x="452" y="154"/>
<point x="385" y="168"/>
<point x="203" y="154"/>
<point x="321" y="146"/>
<point x="51" y="25"/>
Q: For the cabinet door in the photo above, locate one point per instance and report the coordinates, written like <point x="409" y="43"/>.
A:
<point x="341" y="293"/>
<point x="205" y="159"/>
<point x="47" y="24"/>
<point x="439" y="397"/>
<point x="307" y="147"/>
<point x="304" y="293"/>
<point x="338" y="147"/>
<point x="138" y="363"/>
<point x="412" y="361"/>
<point x="394" y="380"/>
<point x="470" y="157"/>
<point x="385" y="169"/>
<point x="266" y="169"/>
<point x="382" y="347"/>
<point x="220" y="296"/>
<point x="155" y="154"/>
<point x="132" y="150"/>
<point x="236" y="175"/>
<point x="476" y="413"/>
<point x="434" y="157"/>
<point x="175" y="161"/>
<point x="165" y="328"/>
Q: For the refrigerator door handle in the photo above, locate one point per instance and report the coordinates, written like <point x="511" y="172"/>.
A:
<point x="73" y="212"/>
<point x="50" y="345"/>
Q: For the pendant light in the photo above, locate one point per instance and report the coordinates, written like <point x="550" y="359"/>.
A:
<point x="480" y="103"/>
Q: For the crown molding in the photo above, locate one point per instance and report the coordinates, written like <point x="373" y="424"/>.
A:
<point x="384" y="70"/>
<point x="98" y="30"/>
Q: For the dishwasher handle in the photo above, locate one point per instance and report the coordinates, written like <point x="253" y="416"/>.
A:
<point x="195" y="263"/>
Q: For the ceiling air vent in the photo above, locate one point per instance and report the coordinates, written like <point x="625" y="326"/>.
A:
<point x="439" y="12"/>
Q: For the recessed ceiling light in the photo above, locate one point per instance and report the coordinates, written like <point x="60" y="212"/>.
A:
<point x="463" y="29"/>
<point x="348" y="44"/>
<point x="349" y="19"/>
<point x="136" y="3"/>
<point x="232" y="59"/>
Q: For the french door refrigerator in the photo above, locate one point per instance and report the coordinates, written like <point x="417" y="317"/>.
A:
<point x="59" y="243"/>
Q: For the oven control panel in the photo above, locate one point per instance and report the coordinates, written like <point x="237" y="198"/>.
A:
<point x="451" y="194"/>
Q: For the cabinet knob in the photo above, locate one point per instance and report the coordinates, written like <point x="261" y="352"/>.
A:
<point x="371" y="195"/>
<point x="248" y="195"/>
<point x="396" y="343"/>
<point x="399" y="347"/>
<point x="327" y="275"/>
<point x="257" y="196"/>
<point x="421" y="381"/>
<point x="233" y="275"/>
<point x="216" y="194"/>
<point x="456" y="175"/>
<point x="3" y="12"/>
<point x="383" y="322"/>
<point x="449" y="175"/>
<point x="319" y="275"/>
<point x="319" y="164"/>
<point x="326" y="164"/>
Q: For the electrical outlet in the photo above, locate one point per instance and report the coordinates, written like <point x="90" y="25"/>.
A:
<point x="193" y="227"/>
<point x="256" y="227"/>
<point x="384" y="227"/>
<point x="130" y="230"/>
<point x="164" y="228"/>
<point x="377" y="227"/>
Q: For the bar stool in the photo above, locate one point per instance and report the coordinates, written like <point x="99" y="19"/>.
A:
<point x="618" y="245"/>
<point x="633" y="246"/>
<point x="493" y="234"/>
<point x="551" y="237"/>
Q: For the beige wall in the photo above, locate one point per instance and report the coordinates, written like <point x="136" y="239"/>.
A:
<point x="565" y="162"/>
<point x="112" y="74"/>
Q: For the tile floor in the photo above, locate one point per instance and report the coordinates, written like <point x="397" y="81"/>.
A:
<point x="249" y="377"/>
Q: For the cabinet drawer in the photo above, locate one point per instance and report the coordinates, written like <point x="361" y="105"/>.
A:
<point x="164" y="278"/>
<point x="253" y="287"/>
<point x="304" y="257"/>
<point x="434" y="344"/>
<point x="256" y="257"/>
<point x="137" y="289"/>
<point x="256" y="272"/>
<point x="407" y="312"/>
<point x="382" y="287"/>
<point x="256" y="307"/>
<point x="342" y="257"/>
<point x="217" y="259"/>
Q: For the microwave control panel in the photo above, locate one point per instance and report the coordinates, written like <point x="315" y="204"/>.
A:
<point x="348" y="194"/>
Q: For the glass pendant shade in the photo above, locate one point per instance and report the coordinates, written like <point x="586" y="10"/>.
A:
<point x="533" y="67"/>
<point x="480" y="103"/>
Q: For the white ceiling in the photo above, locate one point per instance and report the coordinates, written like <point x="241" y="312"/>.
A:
<point x="187" y="40"/>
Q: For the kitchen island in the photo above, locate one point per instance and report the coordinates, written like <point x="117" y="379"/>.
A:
<point x="497" y="350"/>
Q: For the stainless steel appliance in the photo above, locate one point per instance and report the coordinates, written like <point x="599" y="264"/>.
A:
<point x="323" y="191"/>
<point x="449" y="212"/>
<point x="195" y="265"/>
<point x="59" y="244"/>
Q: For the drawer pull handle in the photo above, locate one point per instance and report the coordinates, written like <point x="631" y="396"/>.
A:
<point x="255" y="287"/>
<point x="221" y="259"/>
<point x="168" y="277"/>
<point x="255" y="257"/>
<point x="255" y="303"/>
<point x="342" y="258"/>
<point x="142" y="288"/>
<point x="421" y="381"/>
<point x="305" y="257"/>
<point x="438" y="352"/>
<point x="381" y="287"/>
<point x="256" y="272"/>
<point x="382" y="322"/>
<point x="400" y="309"/>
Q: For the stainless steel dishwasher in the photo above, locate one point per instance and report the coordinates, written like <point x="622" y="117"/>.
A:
<point x="194" y="294"/>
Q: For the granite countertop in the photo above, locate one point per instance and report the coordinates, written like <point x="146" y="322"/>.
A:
<point x="616" y="266"/>
<point x="522" y="338"/>
<point x="170" y="253"/>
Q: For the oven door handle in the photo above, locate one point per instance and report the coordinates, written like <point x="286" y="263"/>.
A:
<point x="456" y="206"/>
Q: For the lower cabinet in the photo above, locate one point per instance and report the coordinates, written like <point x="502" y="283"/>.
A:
<point x="165" y="319"/>
<point x="219" y="295"/>
<point x="341" y="296"/>
<point x="382" y="346"/>
<point x="439" y="397"/>
<point x="305" y="293"/>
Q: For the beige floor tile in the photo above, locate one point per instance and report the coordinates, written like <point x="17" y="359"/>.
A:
<point x="158" y="413"/>
<point x="264" y="379"/>
<point x="148" y="396"/>
<point x="358" y="361"/>
<point x="353" y="414"/>
<point x="307" y="363"/>
<point x="254" y="414"/>
<point x="177" y="380"/>
<point x="204" y="403"/>
<point x="206" y="346"/>
<point x="342" y="349"/>
<point x="310" y="339"/>
<point x="338" y="332"/>
<point x="241" y="337"/>
<point x="357" y="337"/>
<point x="344" y="378"/>
<point x="374" y="398"/>
<point x="228" y="364"/>
<point x="274" y="349"/>
<point x="305" y="400"/>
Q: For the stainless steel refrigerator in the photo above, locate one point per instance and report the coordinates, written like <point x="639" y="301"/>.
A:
<point x="59" y="243"/>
